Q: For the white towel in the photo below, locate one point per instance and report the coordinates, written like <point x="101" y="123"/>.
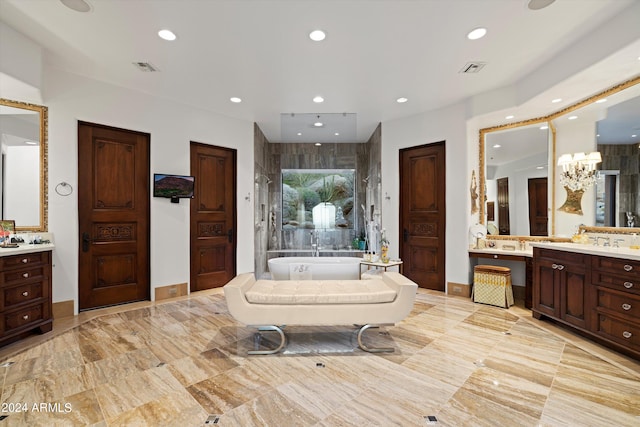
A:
<point x="300" y="271"/>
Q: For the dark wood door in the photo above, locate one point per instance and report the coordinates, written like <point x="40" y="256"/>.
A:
<point x="538" y="213"/>
<point x="546" y="287"/>
<point x="422" y="214"/>
<point x="573" y="294"/>
<point x="113" y="212"/>
<point x="504" y="226"/>
<point x="213" y="216"/>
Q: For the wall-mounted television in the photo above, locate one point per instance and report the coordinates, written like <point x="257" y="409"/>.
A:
<point x="173" y="187"/>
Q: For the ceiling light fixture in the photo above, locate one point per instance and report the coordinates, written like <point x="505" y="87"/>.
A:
<point x="544" y="127"/>
<point x="555" y="101"/>
<point x="299" y="133"/>
<point x="338" y="134"/>
<point x="166" y="35"/>
<point x="318" y="99"/>
<point x="401" y="100"/>
<point x="77" y="5"/>
<point x="318" y="144"/>
<point x="600" y="101"/>
<point x="477" y="33"/>
<point x="317" y="35"/>
<point x="235" y="99"/>
<point x="318" y="124"/>
<point x="509" y="117"/>
<point x="31" y="143"/>
<point x="497" y="146"/>
<point x="634" y="135"/>
<point x="573" y="117"/>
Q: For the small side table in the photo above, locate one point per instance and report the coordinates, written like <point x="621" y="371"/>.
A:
<point x="379" y="264"/>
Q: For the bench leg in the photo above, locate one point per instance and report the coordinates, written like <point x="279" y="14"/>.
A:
<point x="371" y="349"/>
<point x="283" y="340"/>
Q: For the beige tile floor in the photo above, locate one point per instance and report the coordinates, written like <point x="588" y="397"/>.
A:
<point x="176" y="363"/>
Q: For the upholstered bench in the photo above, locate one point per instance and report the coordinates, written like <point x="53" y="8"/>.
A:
<point x="269" y="304"/>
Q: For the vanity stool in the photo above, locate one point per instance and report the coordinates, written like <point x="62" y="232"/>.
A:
<point x="492" y="285"/>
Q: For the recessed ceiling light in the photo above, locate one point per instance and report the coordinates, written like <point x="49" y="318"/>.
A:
<point x="544" y="127"/>
<point x="573" y="117"/>
<point x="401" y="100"/>
<point x="597" y="135"/>
<point x="31" y="143"/>
<point x="510" y="116"/>
<point x="318" y="99"/>
<point x="299" y="133"/>
<point x="539" y="167"/>
<point x="497" y="145"/>
<point x="634" y="135"/>
<point x="235" y="99"/>
<point x="318" y="144"/>
<point x="555" y="101"/>
<point x="477" y="33"/>
<point x="166" y="35"/>
<point x="77" y="5"/>
<point x="317" y="35"/>
<point x="600" y="101"/>
<point x="318" y="124"/>
<point x="338" y="134"/>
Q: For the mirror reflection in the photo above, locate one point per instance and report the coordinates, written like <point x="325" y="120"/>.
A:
<point x="516" y="171"/>
<point x="22" y="169"/>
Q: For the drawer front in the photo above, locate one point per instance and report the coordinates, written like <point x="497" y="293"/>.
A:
<point x="21" y="294"/>
<point x="24" y="274"/>
<point x="9" y="262"/>
<point x="562" y="256"/>
<point x="620" y="282"/>
<point x="625" y="267"/>
<point x="619" y="331"/>
<point x="23" y="317"/>
<point x="622" y="304"/>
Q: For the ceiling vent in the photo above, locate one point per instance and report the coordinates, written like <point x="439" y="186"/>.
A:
<point x="472" y="67"/>
<point x="146" y="67"/>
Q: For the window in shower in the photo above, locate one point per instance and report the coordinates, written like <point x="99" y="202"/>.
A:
<point x="318" y="198"/>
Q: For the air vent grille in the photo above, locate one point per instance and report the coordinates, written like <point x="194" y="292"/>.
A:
<point x="472" y="67"/>
<point x="147" y="67"/>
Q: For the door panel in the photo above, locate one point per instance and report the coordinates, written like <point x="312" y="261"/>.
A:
<point x="504" y="225"/>
<point x="113" y="212"/>
<point x="213" y="216"/>
<point x="538" y="212"/>
<point x="422" y="214"/>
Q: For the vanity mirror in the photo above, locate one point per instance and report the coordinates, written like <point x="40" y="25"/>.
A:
<point x="600" y="114"/>
<point x="23" y="138"/>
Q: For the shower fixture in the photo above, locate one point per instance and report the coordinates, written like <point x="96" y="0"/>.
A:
<point x="268" y="181"/>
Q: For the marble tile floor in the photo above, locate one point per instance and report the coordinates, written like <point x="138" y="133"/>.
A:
<point x="176" y="363"/>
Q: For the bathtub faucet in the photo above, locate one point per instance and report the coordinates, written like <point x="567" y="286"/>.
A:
<point x="315" y="243"/>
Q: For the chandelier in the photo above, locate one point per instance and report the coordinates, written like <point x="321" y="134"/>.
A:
<point x="579" y="170"/>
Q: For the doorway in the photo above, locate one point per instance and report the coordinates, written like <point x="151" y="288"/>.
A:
<point x="113" y="216"/>
<point x="423" y="214"/>
<point x="538" y="211"/>
<point x="213" y="217"/>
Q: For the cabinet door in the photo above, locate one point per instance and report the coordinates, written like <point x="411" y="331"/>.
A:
<point x="574" y="294"/>
<point x="546" y="289"/>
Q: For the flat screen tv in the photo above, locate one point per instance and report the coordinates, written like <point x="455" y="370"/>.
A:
<point x="173" y="187"/>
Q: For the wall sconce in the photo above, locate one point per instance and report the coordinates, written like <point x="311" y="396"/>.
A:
<point x="578" y="174"/>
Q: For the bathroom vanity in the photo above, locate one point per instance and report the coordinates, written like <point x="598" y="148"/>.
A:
<point x="25" y="300"/>
<point x="594" y="290"/>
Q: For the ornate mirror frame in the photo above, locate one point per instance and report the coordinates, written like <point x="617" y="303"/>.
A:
<point x="44" y="191"/>
<point x="552" y="167"/>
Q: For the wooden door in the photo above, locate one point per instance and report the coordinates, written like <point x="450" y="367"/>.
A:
<point x="538" y="212"/>
<point x="573" y="294"/>
<point x="504" y="226"/>
<point x="546" y="287"/>
<point x="113" y="212"/>
<point x="213" y="216"/>
<point x="422" y="214"/>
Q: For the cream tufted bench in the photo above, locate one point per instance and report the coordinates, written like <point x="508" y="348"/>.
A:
<point x="267" y="303"/>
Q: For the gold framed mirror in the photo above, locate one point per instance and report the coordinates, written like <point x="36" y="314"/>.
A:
<point x="23" y="138"/>
<point x="629" y="89"/>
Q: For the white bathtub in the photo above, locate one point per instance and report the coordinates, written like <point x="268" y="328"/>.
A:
<point x="316" y="267"/>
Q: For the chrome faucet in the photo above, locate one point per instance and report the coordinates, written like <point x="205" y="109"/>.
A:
<point x="315" y="243"/>
<point x="607" y="241"/>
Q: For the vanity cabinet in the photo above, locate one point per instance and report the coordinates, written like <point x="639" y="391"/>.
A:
<point x="616" y="284"/>
<point x="561" y="289"/>
<point x="25" y="297"/>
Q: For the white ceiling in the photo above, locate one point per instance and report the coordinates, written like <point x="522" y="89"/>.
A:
<point x="375" y="52"/>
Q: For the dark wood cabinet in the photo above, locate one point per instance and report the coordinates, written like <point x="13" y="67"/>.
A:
<point x="25" y="295"/>
<point x="597" y="295"/>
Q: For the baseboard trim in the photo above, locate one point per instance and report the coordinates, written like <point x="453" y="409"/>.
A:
<point x="171" y="291"/>
<point x="62" y="309"/>
<point x="459" y="289"/>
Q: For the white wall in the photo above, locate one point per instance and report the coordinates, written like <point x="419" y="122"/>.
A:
<point x="172" y="126"/>
<point x="447" y="124"/>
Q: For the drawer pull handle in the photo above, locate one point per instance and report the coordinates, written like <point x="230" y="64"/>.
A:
<point x="25" y="260"/>
<point x="554" y="266"/>
<point x="495" y="257"/>
<point x="25" y="275"/>
<point x="560" y="267"/>
<point x="628" y="285"/>
<point x="626" y="306"/>
<point x="25" y="294"/>
<point x="627" y="334"/>
<point x="25" y="317"/>
<point x="628" y="267"/>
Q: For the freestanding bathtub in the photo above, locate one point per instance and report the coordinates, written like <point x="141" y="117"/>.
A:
<point x="320" y="268"/>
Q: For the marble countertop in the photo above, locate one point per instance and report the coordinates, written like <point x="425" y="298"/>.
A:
<point x="497" y="251"/>
<point x="26" y="248"/>
<point x="610" y="251"/>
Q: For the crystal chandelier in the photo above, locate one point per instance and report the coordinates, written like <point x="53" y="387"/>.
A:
<point x="579" y="170"/>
